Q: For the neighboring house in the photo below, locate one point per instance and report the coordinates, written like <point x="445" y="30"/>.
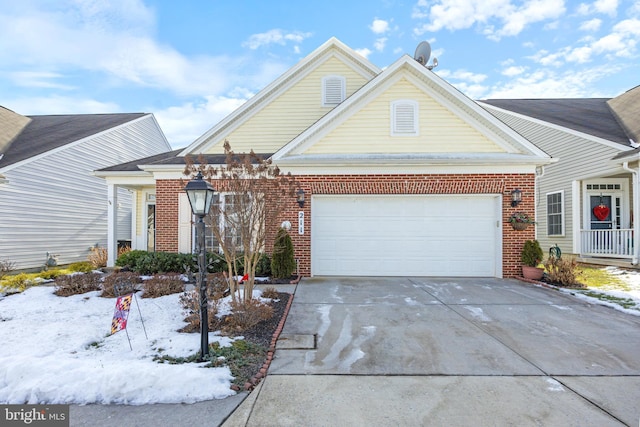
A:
<point x="585" y="202"/>
<point x="51" y="203"/>
<point x="402" y="174"/>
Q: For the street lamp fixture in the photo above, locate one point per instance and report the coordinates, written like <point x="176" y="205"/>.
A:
<point x="300" y="197"/>
<point x="200" y="194"/>
<point x="516" y="197"/>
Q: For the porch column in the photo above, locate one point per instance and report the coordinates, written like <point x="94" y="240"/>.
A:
<point x="576" y="213"/>
<point x="636" y="211"/>
<point x="112" y="224"/>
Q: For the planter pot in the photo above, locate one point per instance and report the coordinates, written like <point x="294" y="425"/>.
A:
<point x="520" y="226"/>
<point x="532" y="273"/>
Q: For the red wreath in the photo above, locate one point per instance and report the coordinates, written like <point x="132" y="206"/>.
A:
<point x="601" y="212"/>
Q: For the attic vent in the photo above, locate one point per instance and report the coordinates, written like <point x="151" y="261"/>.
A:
<point x="333" y="90"/>
<point x="404" y="118"/>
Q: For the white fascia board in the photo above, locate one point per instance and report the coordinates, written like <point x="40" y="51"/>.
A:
<point x="73" y="144"/>
<point x="567" y="130"/>
<point x="130" y="181"/>
<point x="279" y="85"/>
<point x="394" y="169"/>
<point x="417" y="158"/>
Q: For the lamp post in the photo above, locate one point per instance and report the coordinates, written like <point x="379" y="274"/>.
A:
<point x="200" y="195"/>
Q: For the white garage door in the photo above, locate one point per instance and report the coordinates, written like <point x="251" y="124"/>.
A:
<point x="406" y="236"/>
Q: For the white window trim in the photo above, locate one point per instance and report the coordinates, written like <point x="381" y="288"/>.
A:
<point x="562" y="212"/>
<point x="343" y="90"/>
<point x="394" y="127"/>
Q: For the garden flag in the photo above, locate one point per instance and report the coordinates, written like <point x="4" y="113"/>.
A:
<point x="119" y="322"/>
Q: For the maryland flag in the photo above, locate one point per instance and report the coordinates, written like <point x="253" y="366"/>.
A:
<point x="119" y="322"/>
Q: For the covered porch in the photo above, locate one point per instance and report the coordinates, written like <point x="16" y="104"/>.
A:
<point x="604" y="213"/>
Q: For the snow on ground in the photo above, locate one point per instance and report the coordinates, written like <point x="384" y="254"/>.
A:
<point x="58" y="350"/>
<point x="630" y="293"/>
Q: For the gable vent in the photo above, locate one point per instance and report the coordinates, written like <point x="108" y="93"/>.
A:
<point x="404" y="118"/>
<point x="333" y="90"/>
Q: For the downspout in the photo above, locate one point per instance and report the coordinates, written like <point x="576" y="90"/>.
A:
<point x="636" y="211"/>
<point x="537" y="201"/>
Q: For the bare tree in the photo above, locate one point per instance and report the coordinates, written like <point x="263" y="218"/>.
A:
<point x="256" y="195"/>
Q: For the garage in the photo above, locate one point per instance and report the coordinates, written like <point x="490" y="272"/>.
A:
<point x="406" y="235"/>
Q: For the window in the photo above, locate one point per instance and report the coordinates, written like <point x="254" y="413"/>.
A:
<point x="404" y="118"/>
<point x="333" y="90"/>
<point x="224" y="203"/>
<point x="555" y="214"/>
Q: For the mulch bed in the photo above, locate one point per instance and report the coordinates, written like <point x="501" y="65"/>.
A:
<point x="265" y="334"/>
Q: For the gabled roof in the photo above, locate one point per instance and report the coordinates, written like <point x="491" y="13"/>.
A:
<point x="11" y="124"/>
<point x="171" y="158"/>
<point x="516" y="147"/>
<point x="626" y="108"/>
<point x="46" y="133"/>
<point x="591" y="116"/>
<point x="263" y="97"/>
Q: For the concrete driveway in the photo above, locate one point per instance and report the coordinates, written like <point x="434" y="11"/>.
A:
<point x="424" y="351"/>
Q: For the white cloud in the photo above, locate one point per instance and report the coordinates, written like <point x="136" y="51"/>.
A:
<point x="463" y="75"/>
<point x="494" y="18"/>
<point x="548" y="83"/>
<point x="513" y="71"/>
<point x="185" y="123"/>
<point x="591" y="25"/>
<point x="59" y="105"/>
<point x="364" y="52"/>
<point x="38" y="79"/>
<point x="275" y="36"/>
<point x="607" y="7"/>
<point x="379" y="26"/>
<point x="380" y="44"/>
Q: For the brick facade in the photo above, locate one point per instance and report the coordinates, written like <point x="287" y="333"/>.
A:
<point x="512" y="240"/>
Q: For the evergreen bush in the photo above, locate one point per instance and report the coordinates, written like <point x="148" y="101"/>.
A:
<point x="283" y="264"/>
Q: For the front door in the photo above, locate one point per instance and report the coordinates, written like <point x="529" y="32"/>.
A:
<point x="602" y="209"/>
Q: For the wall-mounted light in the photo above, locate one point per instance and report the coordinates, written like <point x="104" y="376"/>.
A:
<point x="516" y="197"/>
<point x="300" y="197"/>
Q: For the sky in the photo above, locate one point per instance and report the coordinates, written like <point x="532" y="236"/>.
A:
<point x="192" y="62"/>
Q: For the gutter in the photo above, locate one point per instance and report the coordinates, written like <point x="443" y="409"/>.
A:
<point x="636" y="209"/>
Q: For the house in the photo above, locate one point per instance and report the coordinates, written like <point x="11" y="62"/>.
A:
<point x="585" y="202"/>
<point x="51" y="203"/>
<point x="402" y="173"/>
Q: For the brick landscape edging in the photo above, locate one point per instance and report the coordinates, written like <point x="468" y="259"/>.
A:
<point x="253" y="382"/>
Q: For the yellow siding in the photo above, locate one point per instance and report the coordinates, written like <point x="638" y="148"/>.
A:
<point x="369" y="130"/>
<point x="290" y="113"/>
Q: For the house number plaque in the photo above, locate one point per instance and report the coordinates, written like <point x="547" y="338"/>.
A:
<point x="301" y="222"/>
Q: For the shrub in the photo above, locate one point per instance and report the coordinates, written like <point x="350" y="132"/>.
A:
<point x="270" y="292"/>
<point x="282" y="261"/>
<point x="190" y="302"/>
<point x="144" y="262"/>
<point x="51" y="274"/>
<point x="161" y="285"/>
<point x="263" y="267"/>
<point x="18" y="281"/>
<point x="73" y="284"/>
<point x="247" y="314"/>
<point x="120" y="278"/>
<point x="217" y="286"/>
<point x="6" y="267"/>
<point x="81" y="267"/>
<point x="98" y="257"/>
<point x="130" y="259"/>
<point x="216" y="263"/>
<point x="531" y="253"/>
<point x="562" y="271"/>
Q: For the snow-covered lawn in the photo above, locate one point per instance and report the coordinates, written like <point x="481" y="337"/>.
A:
<point x="625" y="297"/>
<point x="58" y="350"/>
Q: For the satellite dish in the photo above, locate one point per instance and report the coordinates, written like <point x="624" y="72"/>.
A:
<point x="434" y="64"/>
<point x="423" y="52"/>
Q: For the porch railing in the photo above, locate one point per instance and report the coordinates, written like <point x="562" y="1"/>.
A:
<point x="616" y="243"/>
